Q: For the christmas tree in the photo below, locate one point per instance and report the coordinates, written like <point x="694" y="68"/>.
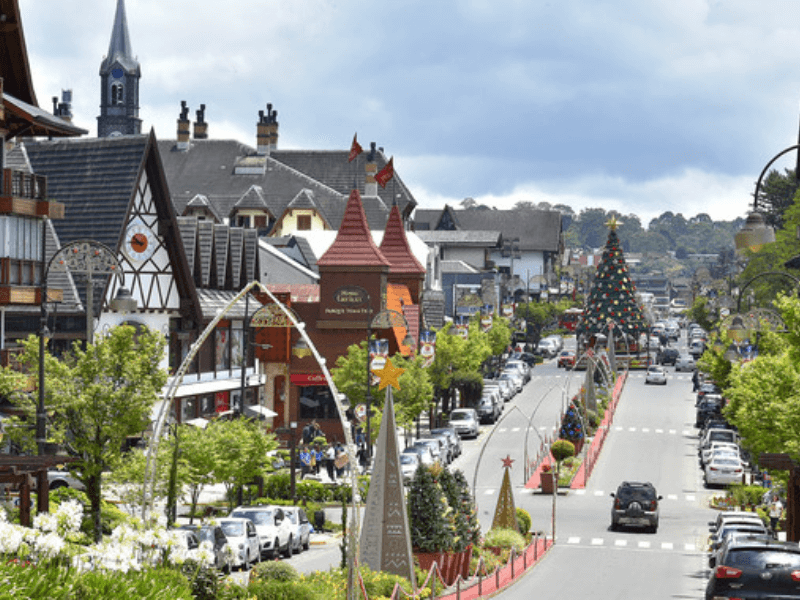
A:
<point x="612" y="298"/>
<point x="505" y="515"/>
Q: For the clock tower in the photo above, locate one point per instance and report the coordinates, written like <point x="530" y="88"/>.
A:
<point x="119" y="83"/>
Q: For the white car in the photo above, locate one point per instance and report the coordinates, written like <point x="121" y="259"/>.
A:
<point x="409" y="461"/>
<point x="274" y="529"/>
<point x="514" y="378"/>
<point x="723" y="471"/>
<point x="243" y="538"/>
<point x="547" y="348"/>
<point x="706" y="454"/>
<point x="422" y="452"/>
<point x="656" y="374"/>
<point x="684" y="362"/>
<point x="302" y="527"/>
<point x="464" y="421"/>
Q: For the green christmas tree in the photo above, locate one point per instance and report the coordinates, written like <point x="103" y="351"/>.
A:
<point x="431" y="519"/>
<point x="612" y="297"/>
<point x="456" y="490"/>
<point x="505" y="515"/>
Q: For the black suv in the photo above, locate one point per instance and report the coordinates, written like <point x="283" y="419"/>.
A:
<point x="755" y="567"/>
<point x="635" y="505"/>
<point x="667" y="356"/>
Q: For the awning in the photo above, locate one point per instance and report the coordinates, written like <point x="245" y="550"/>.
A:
<point x="216" y="385"/>
<point x="261" y="410"/>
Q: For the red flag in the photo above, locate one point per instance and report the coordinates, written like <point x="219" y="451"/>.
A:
<point x="386" y="173"/>
<point x="355" y="149"/>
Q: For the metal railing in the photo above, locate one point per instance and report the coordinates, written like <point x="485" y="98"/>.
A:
<point x="20" y="184"/>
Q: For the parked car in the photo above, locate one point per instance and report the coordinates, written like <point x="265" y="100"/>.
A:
<point x="718" y="434"/>
<point x="465" y="421"/>
<point x="755" y="567"/>
<point x="188" y="538"/>
<point x="453" y="437"/>
<point x="423" y="453"/>
<point x="718" y="541"/>
<point x="566" y="359"/>
<point x="723" y="471"/>
<point x="557" y="341"/>
<point x="409" y="461"/>
<point x="732" y="515"/>
<point x="243" y="538"/>
<point x="705" y="388"/>
<point x="667" y="356"/>
<point x="635" y="504"/>
<point x="215" y="536"/>
<point x="274" y="529"/>
<point x="708" y="408"/>
<point x="526" y="357"/>
<point x="435" y="448"/>
<point x="520" y="367"/>
<point x="707" y="453"/>
<point x="546" y="348"/>
<point x="446" y="450"/>
<point x="302" y="527"/>
<point x="684" y="362"/>
<point x="62" y="477"/>
<point x="488" y="410"/>
<point x="507" y="389"/>
<point x="697" y="347"/>
<point x="656" y="374"/>
<point x="514" y="379"/>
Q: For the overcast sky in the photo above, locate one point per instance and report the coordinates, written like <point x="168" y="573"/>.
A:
<point x="641" y="106"/>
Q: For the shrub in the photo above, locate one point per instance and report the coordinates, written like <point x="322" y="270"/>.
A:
<point x="274" y="571"/>
<point x="561" y="449"/>
<point x="278" y="485"/>
<point x="504" y="538"/>
<point x="204" y="580"/>
<point x="523" y="520"/>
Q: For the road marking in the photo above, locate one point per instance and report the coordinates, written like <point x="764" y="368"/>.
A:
<point x="574" y="540"/>
<point x="689" y="547"/>
<point x="672" y="432"/>
<point x="621" y="542"/>
<point x="597" y="541"/>
<point x="645" y="430"/>
<point x="672" y="496"/>
<point x="631" y="428"/>
<point x="619" y="428"/>
<point x="516" y="429"/>
<point x="599" y="493"/>
<point x="659" y="431"/>
<point x="488" y="492"/>
<point x="643" y="545"/>
<point x="690" y="497"/>
<point x="666" y="545"/>
<point x="580" y="492"/>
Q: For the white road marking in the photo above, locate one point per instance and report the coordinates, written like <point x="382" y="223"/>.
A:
<point x="621" y="542"/>
<point x="488" y="492"/>
<point x="643" y="545"/>
<point x="574" y="540"/>
<point x="666" y="545"/>
<point x="597" y="541"/>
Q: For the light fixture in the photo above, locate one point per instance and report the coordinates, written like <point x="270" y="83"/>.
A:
<point x="300" y="348"/>
<point x="755" y="233"/>
<point x="124" y="302"/>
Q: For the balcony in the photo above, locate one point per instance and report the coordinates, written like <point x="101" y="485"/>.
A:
<point x="26" y="194"/>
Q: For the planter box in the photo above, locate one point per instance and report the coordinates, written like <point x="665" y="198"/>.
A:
<point x="548" y="483"/>
<point x="451" y="564"/>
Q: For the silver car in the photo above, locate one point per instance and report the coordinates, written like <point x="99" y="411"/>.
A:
<point x="465" y="421"/>
<point x="302" y="528"/>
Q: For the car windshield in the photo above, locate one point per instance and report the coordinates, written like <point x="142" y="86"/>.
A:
<point x="205" y="534"/>
<point x="459" y="415"/>
<point x="638" y="494"/>
<point x="259" y="517"/>
<point x="292" y="516"/>
<point x="762" y="559"/>
<point x="725" y="462"/>
<point x="233" y="528"/>
<point x="407" y="459"/>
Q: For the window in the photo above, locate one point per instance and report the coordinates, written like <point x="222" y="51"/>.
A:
<point x="117" y="94"/>
<point x="316" y="402"/>
<point x="188" y="409"/>
<point x="261" y="221"/>
<point x="222" y="349"/>
<point x="304" y="223"/>
<point x="207" y="405"/>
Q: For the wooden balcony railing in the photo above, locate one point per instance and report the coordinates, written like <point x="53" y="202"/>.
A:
<point x="26" y="194"/>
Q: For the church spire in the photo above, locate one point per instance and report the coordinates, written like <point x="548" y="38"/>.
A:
<point x="119" y="49"/>
<point x="119" y="77"/>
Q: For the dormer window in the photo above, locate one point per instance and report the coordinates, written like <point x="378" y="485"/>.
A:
<point x="117" y="93"/>
<point x="303" y="222"/>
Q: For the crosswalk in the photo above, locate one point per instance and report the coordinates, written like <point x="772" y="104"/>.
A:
<point x="635" y="544"/>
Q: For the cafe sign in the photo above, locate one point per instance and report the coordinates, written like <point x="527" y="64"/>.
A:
<point x="351" y="295"/>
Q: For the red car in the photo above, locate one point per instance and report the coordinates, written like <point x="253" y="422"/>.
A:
<point x="566" y="359"/>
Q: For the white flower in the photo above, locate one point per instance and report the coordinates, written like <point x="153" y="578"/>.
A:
<point x="49" y="545"/>
<point x="11" y="537"/>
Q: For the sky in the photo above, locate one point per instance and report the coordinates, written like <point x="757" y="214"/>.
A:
<point x="639" y="106"/>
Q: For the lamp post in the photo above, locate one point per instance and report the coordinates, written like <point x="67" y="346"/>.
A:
<point x="85" y="257"/>
<point x="385" y="319"/>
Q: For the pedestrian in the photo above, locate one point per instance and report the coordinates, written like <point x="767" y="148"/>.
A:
<point x="305" y="462"/>
<point x="363" y="458"/>
<point x="775" y="512"/>
<point x="695" y="381"/>
<point x="341" y="460"/>
<point x="330" y="458"/>
<point x="308" y="433"/>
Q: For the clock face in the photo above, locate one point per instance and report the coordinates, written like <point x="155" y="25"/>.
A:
<point x="117" y="73"/>
<point x="140" y="242"/>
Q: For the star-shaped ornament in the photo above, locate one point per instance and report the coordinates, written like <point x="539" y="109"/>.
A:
<point x="507" y="461"/>
<point x="612" y="223"/>
<point x="388" y="375"/>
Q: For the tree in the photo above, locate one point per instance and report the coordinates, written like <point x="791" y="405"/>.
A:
<point x="430" y="518"/>
<point x="776" y="195"/>
<point x="612" y="296"/>
<point x="98" y="397"/>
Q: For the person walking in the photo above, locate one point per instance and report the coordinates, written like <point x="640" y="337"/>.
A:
<point x="775" y="512"/>
<point x="330" y="458"/>
<point x="305" y="462"/>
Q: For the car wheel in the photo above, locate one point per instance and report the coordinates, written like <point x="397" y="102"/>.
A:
<point x="289" y="548"/>
<point x="614" y="526"/>
<point x="307" y="543"/>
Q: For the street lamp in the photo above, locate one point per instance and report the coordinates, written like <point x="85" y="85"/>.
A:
<point x="85" y="257"/>
<point x="755" y="232"/>
<point x="385" y="319"/>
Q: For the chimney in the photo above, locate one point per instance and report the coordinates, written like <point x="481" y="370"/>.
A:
<point x="370" y="185"/>
<point x="63" y="109"/>
<point x="201" y="127"/>
<point x="272" y="118"/>
<point x="183" y="127"/>
<point x="262" y="133"/>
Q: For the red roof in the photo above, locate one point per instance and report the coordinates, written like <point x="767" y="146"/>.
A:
<point x="353" y="245"/>
<point x="395" y="248"/>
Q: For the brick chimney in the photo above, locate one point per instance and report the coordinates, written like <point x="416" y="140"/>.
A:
<point x="267" y="131"/>
<point x="183" y="127"/>
<point x="272" y="118"/>
<point x="200" y="126"/>
<point x="370" y="185"/>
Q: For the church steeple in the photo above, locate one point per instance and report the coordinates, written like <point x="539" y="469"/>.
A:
<point x="119" y="75"/>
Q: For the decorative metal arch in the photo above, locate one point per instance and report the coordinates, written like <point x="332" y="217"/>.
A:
<point x="759" y="276"/>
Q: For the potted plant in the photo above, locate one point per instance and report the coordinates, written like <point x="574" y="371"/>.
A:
<point x="548" y="479"/>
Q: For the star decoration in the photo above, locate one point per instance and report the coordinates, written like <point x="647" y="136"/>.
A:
<point x="388" y="375"/>
<point x="612" y="223"/>
<point x="507" y="461"/>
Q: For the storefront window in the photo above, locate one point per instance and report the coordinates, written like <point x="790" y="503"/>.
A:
<point x="316" y="402"/>
<point x="236" y="348"/>
<point x="188" y="409"/>
<point x="207" y="405"/>
<point x="222" y="350"/>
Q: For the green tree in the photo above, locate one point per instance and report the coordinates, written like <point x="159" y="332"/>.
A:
<point x="776" y="195"/>
<point x="240" y="448"/>
<point x="430" y="518"/>
<point x="98" y="397"/>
